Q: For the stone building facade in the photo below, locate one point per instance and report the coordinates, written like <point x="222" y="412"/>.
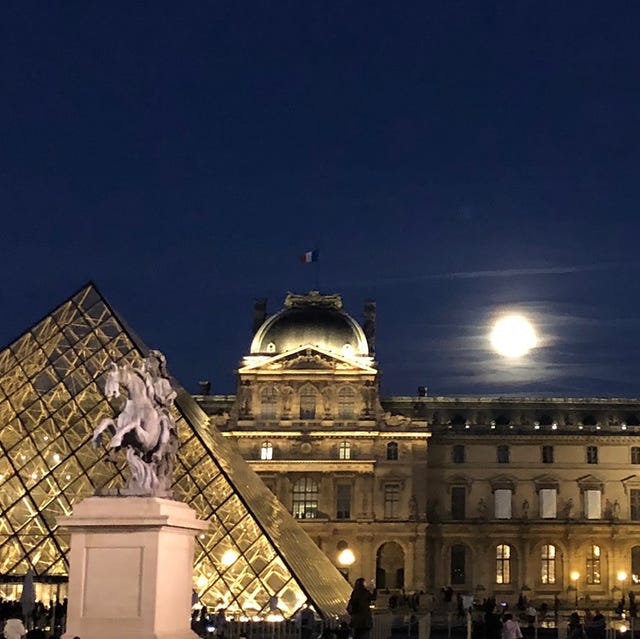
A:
<point x="492" y="496"/>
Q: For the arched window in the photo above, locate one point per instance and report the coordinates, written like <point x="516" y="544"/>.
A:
<point x="305" y="498"/>
<point x="344" y="450"/>
<point x="458" y="560"/>
<point x="593" y="565"/>
<point x="268" y="402"/>
<point x="266" y="450"/>
<point x="308" y="396"/>
<point x="346" y="403"/>
<point x="503" y="564"/>
<point x="548" y="564"/>
<point x="392" y="450"/>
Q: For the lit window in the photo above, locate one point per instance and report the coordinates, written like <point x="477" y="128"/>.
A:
<point x="308" y="397"/>
<point x="346" y="403"/>
<point x="548" y="564"/>
<point x="305" y="498"/>
<point x="503" y="564"/>
<point x="266" y="450"/>
<point x="391" y="501"/>
<point x="392" y="450"/>
<point x="503" y="454"/>
<point x="635" y="454"/>
<point x="268" y="403"/>
<point x="593" y="565"/>
<point x="344" y="450"/>
<point x="457" y="454"/>
<point x="592" y="454"/>
<point x="458" y="561"/>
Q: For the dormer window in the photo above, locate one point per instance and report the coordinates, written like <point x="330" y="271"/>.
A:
<point x="347" y="350"/>
<point x="271" y="347"/>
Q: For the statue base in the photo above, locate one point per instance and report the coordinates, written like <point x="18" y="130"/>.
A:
<point x="131" y="568"/>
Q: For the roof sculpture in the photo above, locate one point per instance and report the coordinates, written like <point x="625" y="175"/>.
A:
<point x="51" y="399"/>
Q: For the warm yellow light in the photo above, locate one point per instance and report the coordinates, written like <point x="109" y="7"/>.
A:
<point x="513" y="336"/>
<point x="623" y="628"/>
<point x="229" y="557"/>
<point x="201" y="581"/>
<point x="575" y="576"/>
<point x="622" y="575"/>
<point x="346" y="557"/>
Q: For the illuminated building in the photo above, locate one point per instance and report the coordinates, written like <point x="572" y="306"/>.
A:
<point x="489" y="495"/>
<point x="254" y="559"/>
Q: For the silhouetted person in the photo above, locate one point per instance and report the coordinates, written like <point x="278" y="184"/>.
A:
<point x="359" y="607"/>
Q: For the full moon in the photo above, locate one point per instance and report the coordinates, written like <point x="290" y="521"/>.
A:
<point x="513" y="336"/>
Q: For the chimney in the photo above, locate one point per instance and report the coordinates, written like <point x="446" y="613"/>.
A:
<point x="369" y="326"/>
<point x="259" y="313"/>
<point x="205" y="387"/>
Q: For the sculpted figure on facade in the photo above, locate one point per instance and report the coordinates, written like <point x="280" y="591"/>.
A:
<point x="145" y="426"/>
<point x="396" y="420"/>
<point x="482" y="509"/>
<point x="287" y="397"/>
<point x="525" y="509"/>
<point x="565" y="513"/>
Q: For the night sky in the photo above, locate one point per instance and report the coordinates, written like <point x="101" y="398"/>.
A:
<point x="449" y="159"/>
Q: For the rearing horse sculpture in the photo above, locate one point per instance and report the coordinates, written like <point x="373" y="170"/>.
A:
<point x="145" y="426"/>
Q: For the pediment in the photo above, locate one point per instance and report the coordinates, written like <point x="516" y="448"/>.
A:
<point x="507" y="482"/>
<point x="306" y="358"/>
<point x="590" y="482"/>
<point x="546" y="481"/>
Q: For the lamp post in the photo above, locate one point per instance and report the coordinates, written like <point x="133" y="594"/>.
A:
<point x="574" y="577"/>
<point x="346" y="558"/>
<point x="622" y="578"/>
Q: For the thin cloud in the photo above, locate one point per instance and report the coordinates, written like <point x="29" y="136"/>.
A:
<point x="511" y="272"/>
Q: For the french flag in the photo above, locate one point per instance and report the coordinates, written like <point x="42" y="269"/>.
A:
<point x="310" y="256"/>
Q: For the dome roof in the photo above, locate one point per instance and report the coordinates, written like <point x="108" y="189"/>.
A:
<point x="311" y="319"/>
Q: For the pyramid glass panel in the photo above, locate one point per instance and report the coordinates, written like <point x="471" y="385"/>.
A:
<point x="50" y="401"/>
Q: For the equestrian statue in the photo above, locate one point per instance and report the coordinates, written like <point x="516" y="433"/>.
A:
<point x="145" y="426"/>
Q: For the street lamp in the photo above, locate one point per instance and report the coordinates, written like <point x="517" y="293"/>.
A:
<point x="622" y="578"/>
<point x="574" y="577"/>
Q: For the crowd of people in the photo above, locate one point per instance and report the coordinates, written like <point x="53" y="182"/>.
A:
<point x="42" y="622"/>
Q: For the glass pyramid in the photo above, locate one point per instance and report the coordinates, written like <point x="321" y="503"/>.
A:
<point x="254" y="557"/>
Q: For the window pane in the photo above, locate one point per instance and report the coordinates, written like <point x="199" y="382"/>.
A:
<point x="458" y="502"/>
<point x="308" y="403"/>
<point x="458" y="564"/>
<point x="392" y="450"/>
<point x="548" y="567"/>
<point x="502" y="501"/>
<point x="305" y="499"/>
<point x="346" y="403"/>
<point x="343" y="501"/>
<point x="391" y="501"/>
<point x="503" y="564"/>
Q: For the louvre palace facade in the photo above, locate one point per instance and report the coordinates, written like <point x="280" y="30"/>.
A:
<point x="307" y="472"/>
<point x="488" y="495"/>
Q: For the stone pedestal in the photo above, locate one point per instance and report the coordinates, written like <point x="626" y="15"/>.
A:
<point x="131" y="568"/>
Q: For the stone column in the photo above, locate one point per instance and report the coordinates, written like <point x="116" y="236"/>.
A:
<point x="131" y="568"/>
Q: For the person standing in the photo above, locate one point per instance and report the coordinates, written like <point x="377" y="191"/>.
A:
<point x="14" y="629"/>
<point x="511" y="628"/>
<point x="359" y="608"/>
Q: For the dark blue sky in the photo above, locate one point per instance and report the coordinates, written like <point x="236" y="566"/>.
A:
<point x="450" y="159"/>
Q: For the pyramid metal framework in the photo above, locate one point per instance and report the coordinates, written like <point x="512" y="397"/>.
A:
<point x="254" y="557"/>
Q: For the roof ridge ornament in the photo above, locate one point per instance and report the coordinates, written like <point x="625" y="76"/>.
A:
<point x="313" y="298"/>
